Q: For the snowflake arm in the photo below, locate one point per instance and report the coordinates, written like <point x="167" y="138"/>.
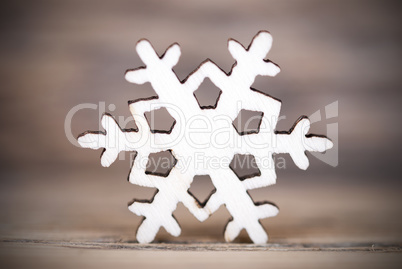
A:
<point x="159" y="212"/>
<point x="250" y="61"/>
<point x="172" y="55"/>
<point x="155" y="66"/>
<point x="137" y="76"/>
<point x="113" y="140"/>
<point x="156" y="214"/>
<point x="245" y="213"/>
<point x="296" y="142"/>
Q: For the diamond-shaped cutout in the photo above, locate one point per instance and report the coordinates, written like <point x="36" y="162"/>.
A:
<point x="207" y="95"/>
<point x="160" y="121"/>
<point x="244" y="166"/>
<point x="248" y="122"/>
<point x="201" y="188"/>
<point x="160" y="163"/>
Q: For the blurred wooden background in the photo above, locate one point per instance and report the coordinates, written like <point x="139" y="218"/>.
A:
<point x="60" y="208"/>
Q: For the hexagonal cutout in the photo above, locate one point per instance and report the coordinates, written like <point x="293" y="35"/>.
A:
<point x="207" y="95"/>
<point x="248" y="122"/>
<point x="201" y="188"/>
<point x="160" y="163"/>
<point x="244" y="166"/>
<point x="160" y="121"/>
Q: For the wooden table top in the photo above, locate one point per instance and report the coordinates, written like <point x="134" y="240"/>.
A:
<point x="74" y="220"/>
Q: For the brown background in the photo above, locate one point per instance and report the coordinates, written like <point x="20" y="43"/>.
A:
<point x="57" y="54"/>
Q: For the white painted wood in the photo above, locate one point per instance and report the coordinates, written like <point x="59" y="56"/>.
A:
<point x="214" y="139"/>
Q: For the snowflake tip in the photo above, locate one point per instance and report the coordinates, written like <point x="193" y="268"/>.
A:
<point x="172" y="55"/>
<point x="137" y="76"/>
<point x="92" y="140"/>
<point x="236" y="49"/>
<point x="146" y="51"/>
<point x="108" y="157"/>
<point x="261" y="44"/>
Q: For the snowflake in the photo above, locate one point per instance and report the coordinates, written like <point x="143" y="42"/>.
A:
<point x="239" y="142"/>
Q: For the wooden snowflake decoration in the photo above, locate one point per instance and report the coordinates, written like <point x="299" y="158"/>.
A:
<point x="240" y="128"/>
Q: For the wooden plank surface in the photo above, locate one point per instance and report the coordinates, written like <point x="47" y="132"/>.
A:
<point x="208" y="246"/>
<point x="45" y="256"/>
<point x="79" y="223"/>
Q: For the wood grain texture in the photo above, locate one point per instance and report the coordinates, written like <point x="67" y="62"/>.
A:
<point x="48" y="256"/>
<point x="195" y="246"/>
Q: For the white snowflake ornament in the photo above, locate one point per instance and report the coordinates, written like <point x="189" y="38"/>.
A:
<point x="239" y="132"/>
